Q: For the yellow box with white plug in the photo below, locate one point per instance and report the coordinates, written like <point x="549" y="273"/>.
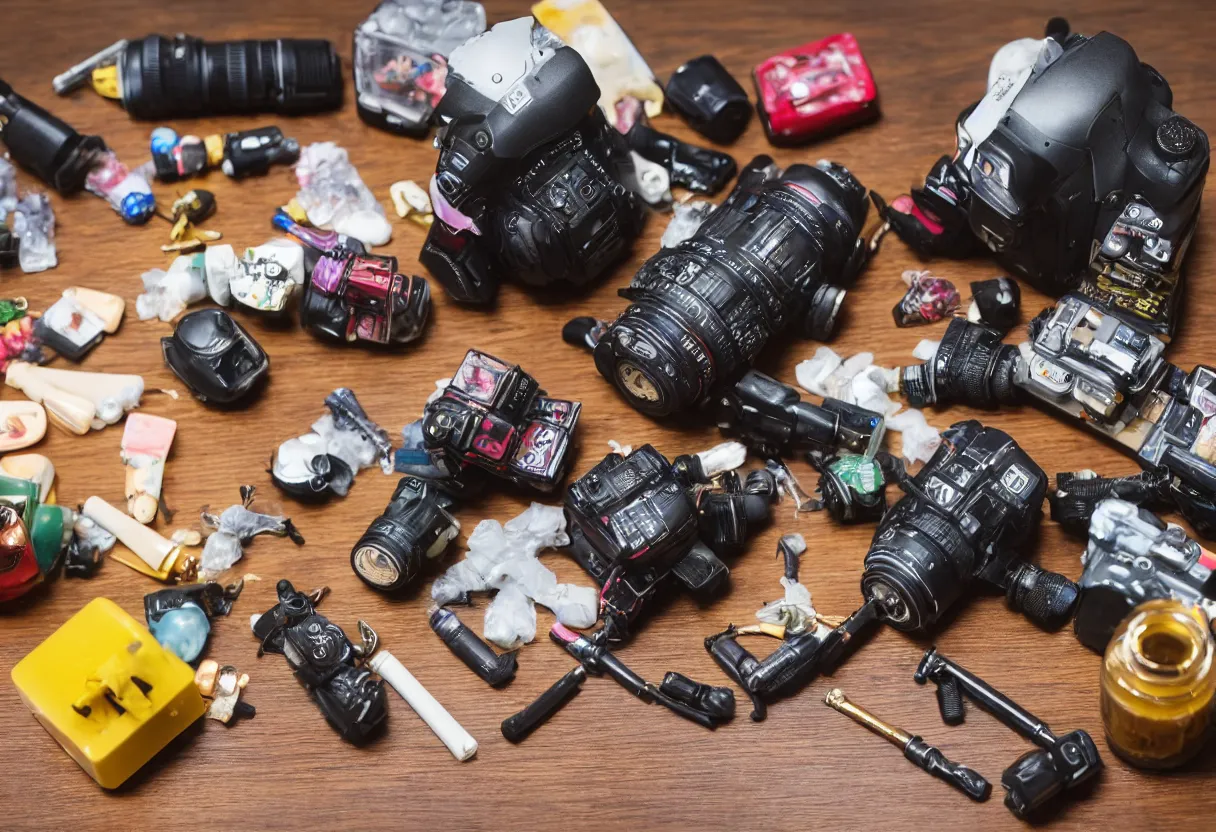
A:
<point x="108" y="692"/>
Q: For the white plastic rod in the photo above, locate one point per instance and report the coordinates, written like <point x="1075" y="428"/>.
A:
<point x="459" y="741"/>
<point x="152" y="548"/>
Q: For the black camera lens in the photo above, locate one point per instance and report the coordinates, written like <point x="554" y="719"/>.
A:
<point x="44" y="145"/>
<point x="762" y="264"/>
<point x="182" y="77"/>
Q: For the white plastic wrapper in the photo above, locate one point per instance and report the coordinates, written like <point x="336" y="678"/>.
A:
<point x="504" y="558"/>
<point x="33" y="223"/>
<point x="293" y="459"/>
<point x="858" y="380"/>
<point x="224" y="546"/>
<point x="686" y="219"/>
<point x="794" y="611"/>
<point x="167" y="294"/>
<point x="925" y="349"/>
<point x="724" y="457"/>
<point x="334" y="196"/>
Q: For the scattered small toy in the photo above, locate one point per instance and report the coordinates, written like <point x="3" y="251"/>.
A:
<point x="929" y="299"/>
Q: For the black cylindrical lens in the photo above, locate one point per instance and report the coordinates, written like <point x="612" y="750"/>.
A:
<point x="758" y="267"/>
<point x="44" y="145"/>
<point x="182" y="77"/>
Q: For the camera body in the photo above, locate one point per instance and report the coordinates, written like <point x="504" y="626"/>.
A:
<point x="1133" y="557"/>
<point x="493" y="416"/>
<point x="415" y="527"/>
<point x="768" y="260"/>
<point x="1101" y="368"/>
<point x="362" y="297"/>
<point x="531" y="179"/>
<point x="1075" y="172"/>
<point x="966" y="516"/>
<point x="634" y="520"/>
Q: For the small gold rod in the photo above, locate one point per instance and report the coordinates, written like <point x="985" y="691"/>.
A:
<point x="837" y="700"/>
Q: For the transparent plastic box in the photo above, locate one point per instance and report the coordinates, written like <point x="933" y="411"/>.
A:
<point x="400" y="59"/>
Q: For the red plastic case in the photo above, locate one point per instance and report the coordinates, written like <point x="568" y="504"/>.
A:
<point x="814" y="89"/>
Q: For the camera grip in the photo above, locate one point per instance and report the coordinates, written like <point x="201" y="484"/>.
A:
<point x="931" y="759"/>
<point x="517" y="727"/>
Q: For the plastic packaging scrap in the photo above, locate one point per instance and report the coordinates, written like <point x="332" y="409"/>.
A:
<point x="399" y="62"/>
<point x="146" y="441"/>
<point x="929" y="299"/>
<point x="33" y="223"/>
<point x="859" y="381"/>
<point x="341" y="444"/>
<point x="619" y="69"/>
<point x="127" y="193"/>
<point x="190" y="279"/>
<point x="504" y="558"/>
<point x="334" y="196"/>
<point x="232" y="530"/>
<point x="411" y="201"/>
<point x="686" y="218"/>
<point x="795" y="611"/>
<point x="995" y="303"/>
<point x="89" y="545"/>
<point x="77" y="401"/>
<point x="269" y="275"/>
<point x="723" y="457"/>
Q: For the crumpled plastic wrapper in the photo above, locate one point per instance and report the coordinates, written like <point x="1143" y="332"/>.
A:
<point x="233" y="529"/>
<point x="334" y="196"/>
<point x="293" y="458"/>
<point x="929" y="299"/>
<point x="726" y="456"/>
<point x="686" y="219"/>
<point x="33" y="222"/>
<point x="857" y="380"/>
<point x="504" y="558"/>
<point x="795" y="611"/>
<point x="167" y="293"/>
<point x="619" y="68"/>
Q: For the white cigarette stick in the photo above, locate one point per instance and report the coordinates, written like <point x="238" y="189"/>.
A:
<point x="459" y="741"/>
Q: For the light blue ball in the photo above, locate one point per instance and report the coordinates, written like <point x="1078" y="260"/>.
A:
<point x="183" y="631"/>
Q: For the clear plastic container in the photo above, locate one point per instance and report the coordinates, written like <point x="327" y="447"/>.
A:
<point x="400" y="59"/>
<point x="1158" y="682"/>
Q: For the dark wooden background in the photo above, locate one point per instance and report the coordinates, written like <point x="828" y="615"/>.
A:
<point x="606" y="760"/>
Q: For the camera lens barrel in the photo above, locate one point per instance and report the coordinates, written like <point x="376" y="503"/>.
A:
<point x="761" y="265"/>
<point x="183" y="77"/>
<point x="46" y="146"/>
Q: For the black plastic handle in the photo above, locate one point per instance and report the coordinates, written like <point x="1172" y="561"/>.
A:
<point x="517" y="727"/>
<point x="931" y="759"/>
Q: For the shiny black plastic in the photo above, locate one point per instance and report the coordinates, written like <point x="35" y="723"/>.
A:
<point x="709" y="99"/>
<point x="769" y="260"/>
<point x="215" y="357"/>
<point x="184" y="77"/>
<point x="325" y="663"/>
<point x="967" y="515"/>
<point x="495" y="669"/>
<point x="699" y="169"/>
<point x="46" y="146"/>
<point x="415" y="527"/>
<point x="1035" y="778"/>
<point x="932" y="760"/>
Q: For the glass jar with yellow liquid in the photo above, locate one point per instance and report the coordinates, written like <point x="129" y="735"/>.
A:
<point x="1158" y="684"/>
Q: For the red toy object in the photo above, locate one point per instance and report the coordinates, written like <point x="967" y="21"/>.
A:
<point x="815" y="89"/>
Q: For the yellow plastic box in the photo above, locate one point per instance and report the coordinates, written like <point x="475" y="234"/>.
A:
<point x="108" y="692"/>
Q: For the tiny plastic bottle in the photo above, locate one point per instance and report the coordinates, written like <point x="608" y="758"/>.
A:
<point x="1158" y="682"/>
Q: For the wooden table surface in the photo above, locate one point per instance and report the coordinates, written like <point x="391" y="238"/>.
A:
<point x="606" y="760"/>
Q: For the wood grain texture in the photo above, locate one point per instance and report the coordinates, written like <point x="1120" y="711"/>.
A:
<point x="606" y="761"/>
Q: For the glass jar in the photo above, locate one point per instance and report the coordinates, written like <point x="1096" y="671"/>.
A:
<point x="1158" y="682"/>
